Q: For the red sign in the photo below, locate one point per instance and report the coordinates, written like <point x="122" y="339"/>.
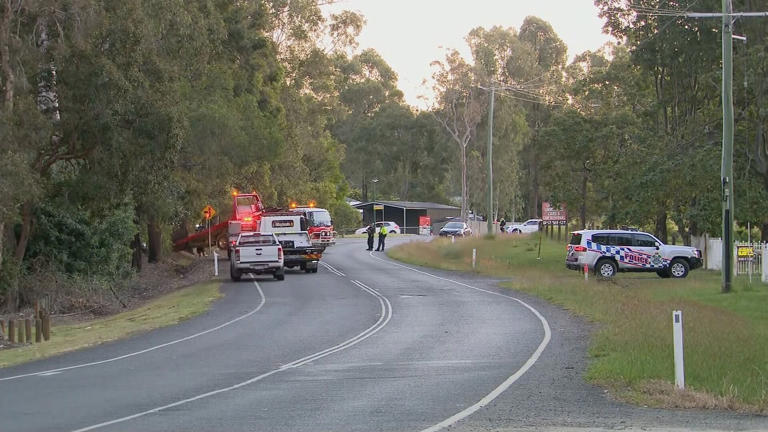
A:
<point x="553" y="216"/>
<point x="425" y="221"/>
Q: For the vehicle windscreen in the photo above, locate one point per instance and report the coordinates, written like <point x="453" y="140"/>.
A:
<point x="247" y="204"/>
<point x="453" y="225"/>
<point x="257" y="240"/>
<point x="319" y="218"/>
<point x="576" y="239"/>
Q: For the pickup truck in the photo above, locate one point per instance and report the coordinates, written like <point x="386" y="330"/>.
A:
<point x="256" y="252"/>
<point x="298" y="249"/>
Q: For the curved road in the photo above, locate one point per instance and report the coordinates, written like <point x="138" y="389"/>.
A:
<point x="366" y="344"/>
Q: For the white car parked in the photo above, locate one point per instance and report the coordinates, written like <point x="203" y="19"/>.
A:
<point x="392" y="228"/>
<point x="529" y="226"/>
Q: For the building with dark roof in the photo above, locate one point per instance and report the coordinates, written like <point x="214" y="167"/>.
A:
<point x="406" y="213"/>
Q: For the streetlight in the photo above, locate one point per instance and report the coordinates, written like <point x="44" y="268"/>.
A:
<point x="374" y="181"/>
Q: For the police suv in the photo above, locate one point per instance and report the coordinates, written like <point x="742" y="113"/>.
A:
<point x="608" y="251"/>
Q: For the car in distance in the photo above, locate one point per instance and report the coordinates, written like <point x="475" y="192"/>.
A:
<point x="609" y="251"/>
<point x="454" y="229"/>
<point x="392" y="228"/>
<point x="529" y="226"/>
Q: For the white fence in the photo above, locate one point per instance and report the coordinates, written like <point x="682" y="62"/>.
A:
<point x="749" y="258"/>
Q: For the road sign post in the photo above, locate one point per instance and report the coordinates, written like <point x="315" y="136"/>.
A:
<point x="208" y="214"/>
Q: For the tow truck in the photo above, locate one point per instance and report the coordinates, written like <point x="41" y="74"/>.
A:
<point x="290" y="228"/>
<point x="247" y="209"/>
<point x="320" y="228"/>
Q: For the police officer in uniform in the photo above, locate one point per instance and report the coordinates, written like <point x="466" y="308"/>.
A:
<point x="371" y="231"/>
<point x="382" y="237"/>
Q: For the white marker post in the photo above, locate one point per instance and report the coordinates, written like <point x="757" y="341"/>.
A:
<point x="677" y="331"/>
<point x="586" y="272"/>
<point x="474" y="257"/>
<point x="764" y="263"/>
<point x="453" y="239"/>
<point x="215" y="264"/>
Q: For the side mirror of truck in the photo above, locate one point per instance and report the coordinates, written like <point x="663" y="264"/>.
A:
<point x="658" y="245"/>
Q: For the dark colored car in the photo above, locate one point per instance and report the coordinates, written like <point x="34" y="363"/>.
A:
<point x="455" y="229"/>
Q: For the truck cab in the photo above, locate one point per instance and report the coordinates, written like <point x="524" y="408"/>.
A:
<point x="320" y="225"/>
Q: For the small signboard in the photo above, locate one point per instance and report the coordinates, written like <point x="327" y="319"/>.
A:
<point x="553" y="216"/>
<point x="745" y="253"/>
<point x="208" y="212"/>
<point x="378" y="207"/>
<point x="425" y="223"/>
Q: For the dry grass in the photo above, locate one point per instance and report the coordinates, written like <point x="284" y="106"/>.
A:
<point x="166" y="310"/>
<point x="725" y="349"/>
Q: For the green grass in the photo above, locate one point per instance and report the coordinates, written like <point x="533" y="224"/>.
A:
<point x="726" y="354"/>
<point x="166" y="310"/>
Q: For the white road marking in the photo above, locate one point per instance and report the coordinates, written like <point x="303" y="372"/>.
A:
<point x="332" y="269"/>
<point x="384" y="317"/>
<point x="512" y="378"/>
<point x="144" y="351"/>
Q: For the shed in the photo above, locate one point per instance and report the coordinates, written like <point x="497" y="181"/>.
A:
<point x="406" y="213"/>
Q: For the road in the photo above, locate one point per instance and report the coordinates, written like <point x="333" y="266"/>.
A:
<point x="366" y="344"/>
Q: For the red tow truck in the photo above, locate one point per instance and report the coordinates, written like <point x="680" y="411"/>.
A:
<point x="247" y="209"/>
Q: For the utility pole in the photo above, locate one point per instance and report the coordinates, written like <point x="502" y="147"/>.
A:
<point x="726" y="169"/>
<point x="490" y="164"/>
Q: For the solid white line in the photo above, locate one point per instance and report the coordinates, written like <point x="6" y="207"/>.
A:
<point x="144" y="351"/>
<point x="332" y="269"/>
<point x="385" y="316"/>
<point x="512" y="378"/>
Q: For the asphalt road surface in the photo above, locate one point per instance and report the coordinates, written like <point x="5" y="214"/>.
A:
<point x="366" y="344"/>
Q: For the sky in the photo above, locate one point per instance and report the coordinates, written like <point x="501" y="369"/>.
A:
<point x="410" y="34"/>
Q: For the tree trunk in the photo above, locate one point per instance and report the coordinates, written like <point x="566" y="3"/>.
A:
<point x="26" y="229"/>
<point x="661" y="226"/>
<point x="154" y="236"/>
<point x="136" y="246"/>
<point x="583" y="211"/>
<point x="764" y="232"/>
<point x="463" y="183"/>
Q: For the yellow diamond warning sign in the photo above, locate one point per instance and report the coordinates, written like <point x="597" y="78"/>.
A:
<point x="208" y="212"/>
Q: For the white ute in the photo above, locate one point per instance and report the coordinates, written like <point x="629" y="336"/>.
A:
<point x="256" y="252"/>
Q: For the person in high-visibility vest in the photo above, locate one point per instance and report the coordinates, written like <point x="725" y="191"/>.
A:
<point x="382" y="237"/>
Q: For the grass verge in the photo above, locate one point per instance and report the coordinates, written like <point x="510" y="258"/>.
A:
<point x="726" y="357"/>
<point x="164" y="311"/>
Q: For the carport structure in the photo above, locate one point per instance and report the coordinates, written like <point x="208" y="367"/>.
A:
<point x="405" y="213"/>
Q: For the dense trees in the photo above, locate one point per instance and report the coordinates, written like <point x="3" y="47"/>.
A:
<point x="120" y="120"/>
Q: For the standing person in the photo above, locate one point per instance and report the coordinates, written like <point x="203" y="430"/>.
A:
<point x="502" y="224"/>
<point x="382" y="237"/>
<point x="371" y="231"/>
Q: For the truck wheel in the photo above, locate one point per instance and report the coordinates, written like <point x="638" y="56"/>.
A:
<point x="280" y="274"/>
<point x="678" y="268"/>
<point x="303" y="266"/>
<point x="606" y="268"/>
<point x="234" y="273"/>
<point x="314" y="270"/>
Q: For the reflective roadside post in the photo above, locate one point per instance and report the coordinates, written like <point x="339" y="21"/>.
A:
<point x="677" y="334"/>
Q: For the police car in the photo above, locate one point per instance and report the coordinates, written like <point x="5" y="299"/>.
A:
<point x="609" y="251"/>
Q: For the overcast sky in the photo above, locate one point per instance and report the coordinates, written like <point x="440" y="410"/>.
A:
<point x="410" y="34"/>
